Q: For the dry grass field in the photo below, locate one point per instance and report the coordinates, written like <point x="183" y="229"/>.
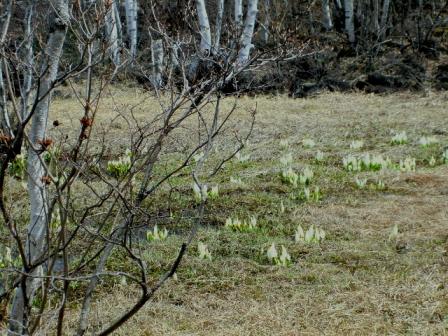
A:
<point x="359" y="280"/>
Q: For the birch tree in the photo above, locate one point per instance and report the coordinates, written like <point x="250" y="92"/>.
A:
<point x="248" y="32"/>
<point x="131" y="25"/>
<point x="112" y="31"/>
<point x="28" y="58"/>
<point x="238" y="12"/>
<point x="384" y="17"/>
<point x="326" y="14"/>
<point x="38" y="226"/>
<point x="204" y="28"/>
<point x="375" y="17"/>
<point x="267" y="21"/>
<point x="5" y="20"/>
<point x="218" y="25"/>
<point x="117" y="19"/>
<point x="349" y="22"/>
<point x="157" y="62"/>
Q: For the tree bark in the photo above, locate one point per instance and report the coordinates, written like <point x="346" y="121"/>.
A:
<point x="326" y="14"/>
<point x="384" y="18"/>
<point x="5" y="20"/>
<point x="267" y="21"/>
<point x="112" y="33"/>
<point x="131" y="25"/>
<point x="248" y="32"/>
<point x="218" y="25"/>
<point x="375" y="17"/>
<point x="157" y="62"/>
<point x="238" y="12"/>
<point x="204" y="28"/>
<point x="349" y="24"/>
<point x="28" y="58"/>
<point x="118" y="22"/>
<point x="38" y="226"/>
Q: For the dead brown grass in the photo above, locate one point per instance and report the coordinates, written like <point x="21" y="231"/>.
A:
<point x="356" y="282"/>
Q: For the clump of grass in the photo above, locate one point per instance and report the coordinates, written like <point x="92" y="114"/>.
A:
<point x="119" y="168"/>
<point x="393" y="233"/>
<point x="242" y="158"/>
<point x="427" y="141"/>
<point x="308" y="195"/>
<point x="289" y="176"/>
<point x="197" y="157"/>
<point x="408" y="165"/>
<point x="319" y="156"/>
<point x="214" y="192"/>
<point x="306" y="176"/>
<point x="351" y="163"/>
<point x="360" y="182"/>
<point x="235" y="224"/>
<point x="17" y="168"/>
<point x="308" y="143"/>
<point x="200" y="193"/>
<point x="379" y="185"/>
<point x="312" y="235"/>
<point x="203" y="252"/>
<point x="156" y="234"/>
<point x="356" y="144"/>
<point x="445" y="156"/>
<point x="283" y="260"/>
<point x="432" y="161"/>
<point x="399" y="138"/>
<point x="365" y="162"/>
<point x="284" y="143"/>
<point x="5" y="259"/>
<point x="236" y="180"/>
<point x="286" y="159"/>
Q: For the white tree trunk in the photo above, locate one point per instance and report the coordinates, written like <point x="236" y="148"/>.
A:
<point x="5" y="124"/>
<point x="238" y="12"/>
<point x="131" y="25"/>
<point x="349" y="24"/>
<point x="384" y="17"/>
<point x="112" y="33"/>
<point x="375" y="17"/>
<point x="28" y="58"/>
<point x="5" y="20"/>
<point x="174" y="51"/>
<point x="326" y="14"/>
<point x="204" y="28"/>
<point x="37" y="228"/>
<point x="338" y="4"/>
<point x="157" y="62"/>
<point x="218" y="25"/>
<point x="248" y="32"/>
<point x="118" y="22"/>
<point x="267" y="21"/>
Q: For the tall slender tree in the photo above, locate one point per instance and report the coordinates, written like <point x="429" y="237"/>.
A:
<point x="157" y="62"/>
<point x="349" y="21"/>
<point x="326" y="14"/>
<point x="37" y="176"/>
<point x="112" y="31"/>
<point x="131" y="25"/>
<point x="384" y="17"/>
<point x="204" y="28"/>
<point x="267" y="21"/>
<point x="5" y="20"/>
<point x="28" y="57"/>
<point x="248" y="32"/>
<point x="238" y="12"/>
<point x="218" y="25"/>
